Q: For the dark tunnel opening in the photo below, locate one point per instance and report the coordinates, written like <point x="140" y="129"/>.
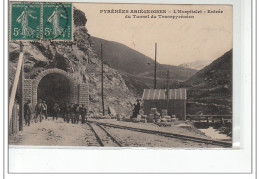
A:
<point x="54" y="88"/>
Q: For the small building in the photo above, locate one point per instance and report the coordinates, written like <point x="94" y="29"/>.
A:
<point x="157" y="98"/>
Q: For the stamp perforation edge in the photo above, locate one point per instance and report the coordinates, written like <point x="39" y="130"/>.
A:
<point x="72" y="23"/>
<point x="41" y="22"/>
<point x="10" y="3"/>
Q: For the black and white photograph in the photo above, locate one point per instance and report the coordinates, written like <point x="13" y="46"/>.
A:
<point x="120" y="75"/>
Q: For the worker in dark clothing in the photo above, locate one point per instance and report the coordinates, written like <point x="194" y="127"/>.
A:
<point x="71" y="112"/>
<point x="63" y="111"/>
<point x="56" y="111"/>
<point x="134" y="115"/>
<point x="83" y="113"/>
<point x="44" y="106"/>
<point x="76" y="113"/>
<point x="109" y="111"/>
<point x="67" y="113"/>
<point x="27" y="112"/>
<point x="39" y="111"/>
<point x="137" y="108"/>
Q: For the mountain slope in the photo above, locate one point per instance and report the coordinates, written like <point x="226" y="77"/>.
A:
<point x="137" y="69"/>
<point x="210" y="90"/>
<point x="197" y="65"/>
<point x="122" y="58"/>
<point x="127" y="60"/>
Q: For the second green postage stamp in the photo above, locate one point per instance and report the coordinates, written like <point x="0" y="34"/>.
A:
<point x="57" y="21"/>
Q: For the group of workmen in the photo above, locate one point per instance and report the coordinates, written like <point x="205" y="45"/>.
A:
<point x="70" y="112"/>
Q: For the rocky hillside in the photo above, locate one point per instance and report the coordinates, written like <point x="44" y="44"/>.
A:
<point x="78" y="59"/>
<point x="209" y="91"/>
<point x="138" y="69"/>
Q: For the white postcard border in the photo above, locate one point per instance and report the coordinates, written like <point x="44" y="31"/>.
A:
<point x="168" y="161"/>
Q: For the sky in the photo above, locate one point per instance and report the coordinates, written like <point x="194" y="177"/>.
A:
<point x="207" y="36"/>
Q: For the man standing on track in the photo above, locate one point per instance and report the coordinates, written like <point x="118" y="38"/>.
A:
<point x="83" y="113"/>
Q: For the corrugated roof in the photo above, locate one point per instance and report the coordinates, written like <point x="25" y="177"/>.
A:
<point x="159" y="94"/>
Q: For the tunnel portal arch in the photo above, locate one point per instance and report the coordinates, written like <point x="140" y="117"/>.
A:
<point x="74" y="96"/>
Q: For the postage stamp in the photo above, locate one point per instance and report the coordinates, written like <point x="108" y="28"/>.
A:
<point x="25" y="21"/>
<point x="57" y="21"/>
<point x="41" y="21"/>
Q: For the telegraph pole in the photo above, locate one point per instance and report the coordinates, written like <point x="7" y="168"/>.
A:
<point x="155" y="60"/>
<point x="21" y="100"/>
<point x="102" y="80"/>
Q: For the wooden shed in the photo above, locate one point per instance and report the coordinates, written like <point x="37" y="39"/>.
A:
<point x="174" y="101"/>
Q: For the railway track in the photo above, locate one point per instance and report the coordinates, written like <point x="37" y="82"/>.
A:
<point x="103" y="137"/>
<point x="170" y="135"/>
<point x="91" y="137"/>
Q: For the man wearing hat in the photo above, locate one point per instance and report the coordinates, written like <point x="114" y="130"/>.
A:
<point x="39" y="110"/>
<point x="27" y="112"/>
<point x="137" y="108"/>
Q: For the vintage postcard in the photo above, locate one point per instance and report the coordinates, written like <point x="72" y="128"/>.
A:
<point x="120" y="75"/>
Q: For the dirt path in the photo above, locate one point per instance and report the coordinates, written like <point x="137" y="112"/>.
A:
<point x="60" y="133"/>
<point x="50" y="132"/>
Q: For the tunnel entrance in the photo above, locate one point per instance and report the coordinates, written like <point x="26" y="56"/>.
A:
<point x="55" y="85"/>
<point x="54" y="88"/>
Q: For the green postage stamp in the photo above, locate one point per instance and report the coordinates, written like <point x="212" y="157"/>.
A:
<point x="25" y="21"/>
<point x="57" y="21"/>
<point x="41" y="21"/>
